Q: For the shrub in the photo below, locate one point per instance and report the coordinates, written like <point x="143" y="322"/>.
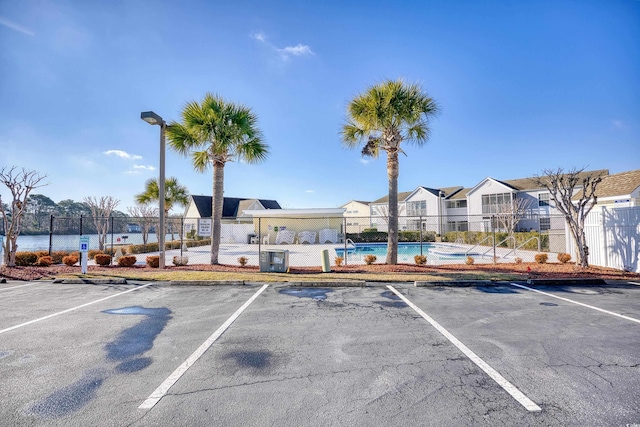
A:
<point x="180" y="260"/>
<point x="564" y="258"/>
<point x="339" y="260"/>
<point x="41" y="253"/>
<point x="102" y="259"/>
<point x="518" y="260"/>
<point x="126" y="260"/>
<point x="470" y="260"/>
<point x="243" y="261"/>
<point x="541" y="258"/>
<point x="58" y="255"/>
<point x="69" y="260"/>
<point x="420" y="259"/>
<point x="44" y="261"/>
<point x="93" y="252"/>
<point x="153" y="261"/>
<point x="24" y="259"/>
<point x="114" y="250"/>
<point x="370" y="259"/>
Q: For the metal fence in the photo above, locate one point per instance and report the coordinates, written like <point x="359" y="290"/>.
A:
<point x="347" y="240"/>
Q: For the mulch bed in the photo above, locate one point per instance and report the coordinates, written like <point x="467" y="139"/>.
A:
<point x="525" y="270"/>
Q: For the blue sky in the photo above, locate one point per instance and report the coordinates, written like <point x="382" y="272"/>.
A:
<point x="522" y="86"/>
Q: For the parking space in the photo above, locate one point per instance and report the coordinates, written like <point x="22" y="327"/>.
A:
<point x="280" y="355"/>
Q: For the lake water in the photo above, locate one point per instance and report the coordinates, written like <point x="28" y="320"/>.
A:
<point x="72" y="242"/>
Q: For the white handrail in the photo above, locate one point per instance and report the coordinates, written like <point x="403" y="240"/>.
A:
<point x="526" y="241"/>
<point x="502" y="241"/>
<point x="478" y="244"/>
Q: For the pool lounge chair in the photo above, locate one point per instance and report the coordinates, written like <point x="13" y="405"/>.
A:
<point x="285" y="236"/>
<point x="328" y="235"/>
<point x="307" y="237"/>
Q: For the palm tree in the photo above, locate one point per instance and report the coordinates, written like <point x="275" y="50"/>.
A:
<point x="383" y="117"/>
<point x="175" y="194"/>
<point x="215" y="132"/>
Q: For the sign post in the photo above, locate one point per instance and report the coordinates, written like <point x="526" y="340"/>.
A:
<point x="84" y="251"/>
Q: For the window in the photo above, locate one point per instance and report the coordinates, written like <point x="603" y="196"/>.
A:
<point x="417" y="208"/>
<point x="491" y="203"/>
<point x="454" y="204"/>
<point x="543" y="199"/>
<point x="545" y="223"/>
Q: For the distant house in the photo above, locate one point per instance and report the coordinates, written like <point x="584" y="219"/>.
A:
<point x="621" y="190"/>
<point x="233" y="212"/>
<point x="233" y="208"/>
<point x="380" y="211"/>
<point x="357" y="216"/>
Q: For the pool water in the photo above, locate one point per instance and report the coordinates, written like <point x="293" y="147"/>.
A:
<point x="437" y="252"/>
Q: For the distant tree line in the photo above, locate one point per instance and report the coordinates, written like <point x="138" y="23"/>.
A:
<point x="37" y="216"/>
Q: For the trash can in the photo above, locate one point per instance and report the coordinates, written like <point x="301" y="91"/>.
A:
<point x="275" y="261"/>
<point x="326" y="265"/>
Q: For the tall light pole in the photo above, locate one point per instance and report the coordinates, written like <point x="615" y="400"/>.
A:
<point x="154" y="119"/>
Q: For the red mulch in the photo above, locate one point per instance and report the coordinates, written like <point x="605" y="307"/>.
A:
<point x="526" y="270"/>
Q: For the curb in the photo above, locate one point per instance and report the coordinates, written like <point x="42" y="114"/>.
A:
<point x="96" y="281"/>
<point x="566" y="282"/>
<point x="335" y="284"/>
<point x="458" y="283"/>
<point x="206" y="282"/>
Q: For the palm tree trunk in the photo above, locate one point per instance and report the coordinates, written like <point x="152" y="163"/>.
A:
<point x="216" y="209"/>
<point x="392" y="239"/>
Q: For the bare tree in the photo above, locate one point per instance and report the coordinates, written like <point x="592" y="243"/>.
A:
<point x="509" y="214"/>
<point x="20" y="183"/>
<point x="101" y="211"/>
<point x="147" y="216"/>
<point x="574" y="195"/>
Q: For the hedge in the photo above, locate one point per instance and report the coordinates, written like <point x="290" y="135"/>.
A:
<point x="475" y="237"/>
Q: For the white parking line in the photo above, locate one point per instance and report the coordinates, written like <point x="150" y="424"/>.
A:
<point x="635" y="283"/>
<point x="71" y="309"/>
<point x="502" y="382"/>
<point x="163" y="388"/>
<point x="576" y="302"/>
<point x="20" y="286"/>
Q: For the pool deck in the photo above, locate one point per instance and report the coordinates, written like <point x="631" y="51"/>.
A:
<point x="310" y="255"/>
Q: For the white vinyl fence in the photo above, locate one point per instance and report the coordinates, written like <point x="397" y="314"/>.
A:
<point x="613" y="238"/>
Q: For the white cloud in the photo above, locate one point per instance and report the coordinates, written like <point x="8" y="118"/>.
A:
<point x="16" y="27"/>
<point x="144" y="167"/>
<point x="297" y="50"/>
<point x="286" y="52"/>
<point x="138" y="169"/>
<point x="364" y="161"/>
<point x="258" y="36"/>
<point x="122" y="154"/>
<point x="618" y="124"/>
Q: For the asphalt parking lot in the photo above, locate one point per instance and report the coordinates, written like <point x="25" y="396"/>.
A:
<point x="391" y="354"/>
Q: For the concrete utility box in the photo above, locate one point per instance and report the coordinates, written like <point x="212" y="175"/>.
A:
<point x="275" y="261"/>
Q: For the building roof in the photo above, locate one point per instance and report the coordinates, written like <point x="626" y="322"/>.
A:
<point x="231" y="205"/>
<point x="620" y="184"/>
<point x="297" y="213"/>
<point x="356" y="201"/>
<point x="401" y="197"/>
<point x="530" y="183"/>
<point x="459" y="195"/>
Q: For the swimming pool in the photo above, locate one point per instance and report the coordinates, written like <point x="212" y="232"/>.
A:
<point x="435" y="252"/>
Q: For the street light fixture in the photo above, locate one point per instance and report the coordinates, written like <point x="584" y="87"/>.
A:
<point x="154" y="119"/>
